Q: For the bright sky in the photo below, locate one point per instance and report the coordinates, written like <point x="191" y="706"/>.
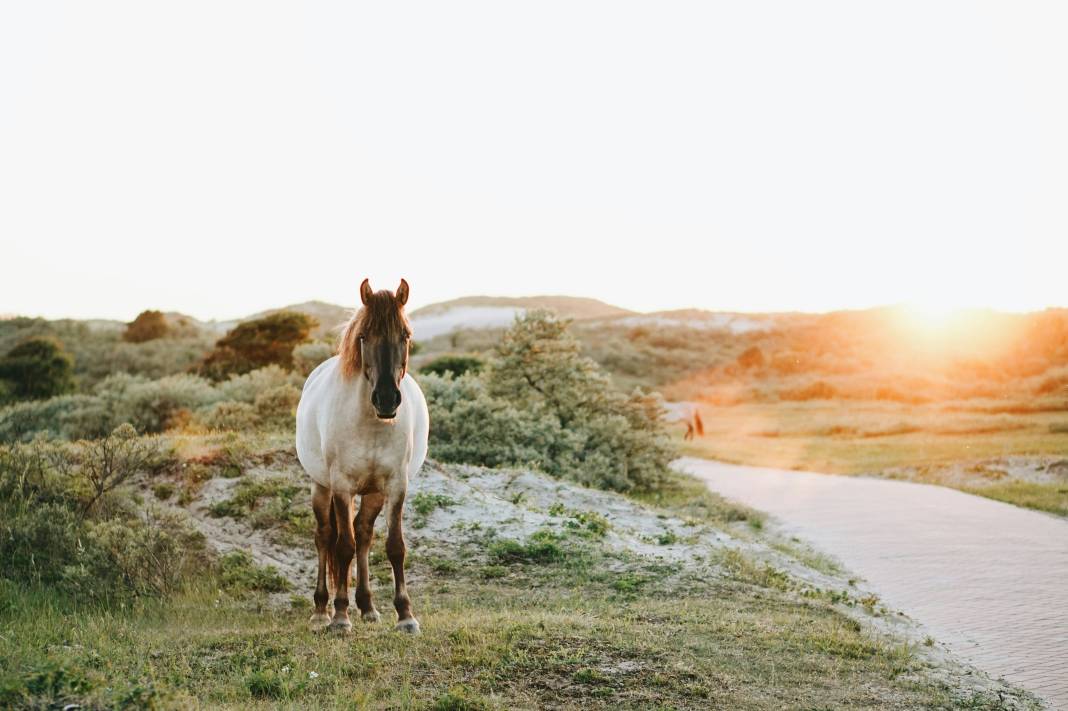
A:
<point x="219" y="158"/>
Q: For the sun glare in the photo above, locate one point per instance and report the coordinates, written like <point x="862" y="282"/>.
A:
<point x="932" y="318"/>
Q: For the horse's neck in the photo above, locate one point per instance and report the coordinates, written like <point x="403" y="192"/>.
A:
<point x="358" y="399"/>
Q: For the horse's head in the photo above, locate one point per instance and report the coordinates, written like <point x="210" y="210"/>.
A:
<point x="377" y="341"/>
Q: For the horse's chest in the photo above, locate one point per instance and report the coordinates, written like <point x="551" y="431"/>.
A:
<point x="367" y="465"/>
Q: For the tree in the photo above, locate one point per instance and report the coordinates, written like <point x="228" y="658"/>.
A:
<point x="612" y="440"/>
<point x="37" y="368"/>
<point x="148" y="326"/>
<point x="255" y="344"/>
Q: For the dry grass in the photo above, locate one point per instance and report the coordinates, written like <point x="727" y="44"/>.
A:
<point x="858" y="437"/>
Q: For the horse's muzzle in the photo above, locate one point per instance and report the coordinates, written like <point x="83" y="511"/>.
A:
<point x="386" y="403"/>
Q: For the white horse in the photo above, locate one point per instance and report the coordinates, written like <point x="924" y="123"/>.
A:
<point x="688" y="413"/>
<point x="362" y="427"/>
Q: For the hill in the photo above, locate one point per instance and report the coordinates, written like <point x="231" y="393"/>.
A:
<point x="485" y="312"/>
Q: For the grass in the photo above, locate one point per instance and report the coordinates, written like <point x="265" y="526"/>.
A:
<point x="277" y="503"/>
<point x="1051" y="498"/>
<point x="487" y="643"/>
<point x="858" y="437"/>
<point x="557" y="619"/>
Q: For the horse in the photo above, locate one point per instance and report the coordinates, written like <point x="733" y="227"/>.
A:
<point x="362" y="428"/>
<point x="687" y="413"/>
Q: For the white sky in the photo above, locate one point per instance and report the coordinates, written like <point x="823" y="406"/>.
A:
<point x="223" y="157"/>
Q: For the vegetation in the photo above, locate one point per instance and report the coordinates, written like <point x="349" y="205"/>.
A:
<point x="64" y="521"/>
<point x="37" y="368"/>
<point x="541" y="403"/>
<point x="453" y="365"/>
<point x="148" y="326"/>
<point x="111" y="598"/>
<point x="965" y="445"/>
<point x="256" y="344"/>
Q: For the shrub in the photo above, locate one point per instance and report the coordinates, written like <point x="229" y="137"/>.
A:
<point x="276" y="406"/>
<point x="308" y="356"/>
<point x="229" y="415"/>
<point x="108" y="463"/>
<point x="470" y="426"/>
<point x="52" y="531"/>
<point x="239" y="573"/>
<point x="248" y="386"/>
<point x="155" y="553"/>
<point x="148" y="326"/>
<point x="255" y="344"/>
<point x="752" y="357"/>
<point x="455" y="364"/>
<point x="542" y="404"/>
<point x="604" y="438"/>
<point x="37" y="368"/>
<point x="66" y="416"/>
<point x="149" y="405"/>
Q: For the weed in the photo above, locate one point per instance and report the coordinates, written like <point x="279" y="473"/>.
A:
<point x="239" y="573"/>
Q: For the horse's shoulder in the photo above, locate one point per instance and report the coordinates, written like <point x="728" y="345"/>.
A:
<point x="324" y="369"/>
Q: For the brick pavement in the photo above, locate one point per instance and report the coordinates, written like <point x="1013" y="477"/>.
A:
<point x="988" y="579"/>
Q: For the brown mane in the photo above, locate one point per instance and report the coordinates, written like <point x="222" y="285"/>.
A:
<point x="381" y="316"/>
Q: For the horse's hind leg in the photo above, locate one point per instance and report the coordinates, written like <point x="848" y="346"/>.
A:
<point x="396" y="550"/>
<point x="325" y="535"/>
<point x="370" y="506"/>
<point x="344" y="549"/>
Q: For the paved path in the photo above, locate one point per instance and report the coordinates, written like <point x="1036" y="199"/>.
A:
<point x="988" y="579"/>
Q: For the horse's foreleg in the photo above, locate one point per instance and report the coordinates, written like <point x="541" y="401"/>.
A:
<point x="344" y="549"/>
<point x="396" y="550"/>
<point x="370" y="506"/>
<point x="324" y="544"/>
<point x="689" y="431"/>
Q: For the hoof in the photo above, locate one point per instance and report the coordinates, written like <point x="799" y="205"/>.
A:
<point x="371" y="616"/>
<point x="319" y="621"/>
<point x="408" y="626"/>
<point x="340" y="626"/>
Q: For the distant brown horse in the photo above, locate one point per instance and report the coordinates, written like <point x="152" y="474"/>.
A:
<point x="687" y="413"/>
<point x="362" y="427"/>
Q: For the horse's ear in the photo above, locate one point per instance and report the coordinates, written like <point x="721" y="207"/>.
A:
<point x="365" y="291"/>
<point x="402" y="293"/>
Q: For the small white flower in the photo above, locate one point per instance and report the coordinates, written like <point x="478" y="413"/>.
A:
<point x="313" y="675"/>
<point x="285" y="670"/>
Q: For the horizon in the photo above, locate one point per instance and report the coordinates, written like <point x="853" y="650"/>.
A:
<point x="756" y="158"/>
<point x="913" y="309"/>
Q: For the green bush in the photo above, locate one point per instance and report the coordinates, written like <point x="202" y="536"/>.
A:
<point x="277" y="406"/>
<point x="150" y="405"/>
<point x="239" y="573"/>
<point x="308" y="356"/>
<point x="37" y="368"/>
<point x="229" y="415"/>
<point x="54" y="530"/>
<point x="470" y="426"/>
<point x="455" y="364"/>
<point x="248" y="386"/>
<point x="542" y="404"/>
<point x="66" y="417"/>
